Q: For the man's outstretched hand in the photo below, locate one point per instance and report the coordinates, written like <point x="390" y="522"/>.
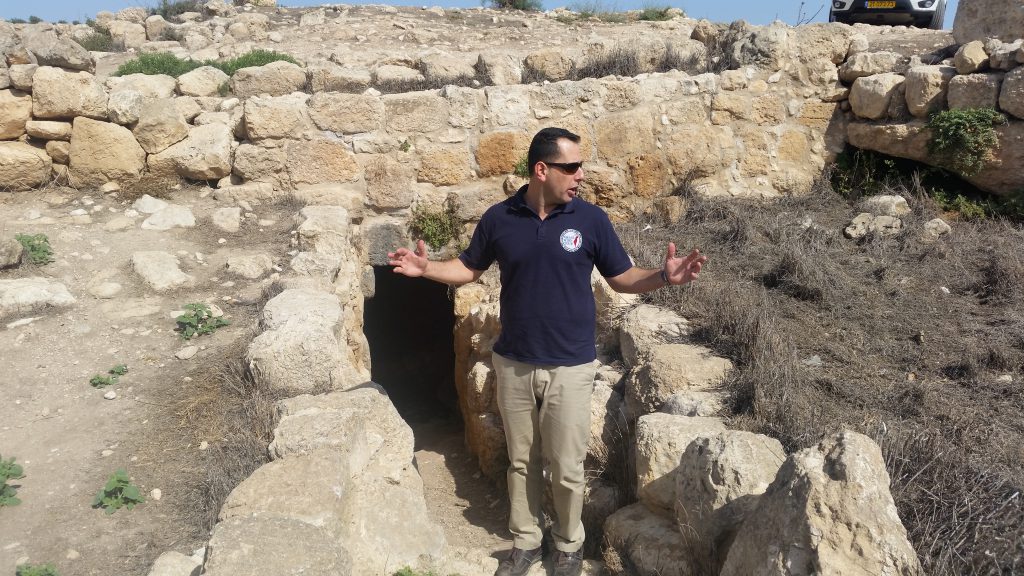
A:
<point x="408" y="262"/>
<point x="681" y="270"/>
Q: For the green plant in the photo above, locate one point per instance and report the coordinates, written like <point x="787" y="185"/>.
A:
<point x="407" y="571"/>
<point x="171" y="65"/>
<point x="36" y="570"/>
<point x="224" y="89"/>
<point x="119" y="492"/>
<point x="964" y="138"/>
<point x="18" y="21"/>
<point x="655" y="13"/>
<point x="34" y="19"/>
<point x="9" y="471"/>
<point x="405" y="146"/>
<point x="172" y="9"/>
<point x="522" y="168"/>
<point x="37" y="246"/>
<point x="98" y="41"/>
<point x="525" y="5"/>
<point x="439" y="228"/>
<point x="249" y="59"/>
<point x="197" y="321"/>
<point x="114" y="373"/>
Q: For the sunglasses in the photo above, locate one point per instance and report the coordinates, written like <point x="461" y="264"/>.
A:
<point x="569" y="167"/>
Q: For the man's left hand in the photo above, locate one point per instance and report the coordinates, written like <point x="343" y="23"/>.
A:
<point x="680" y="270"/>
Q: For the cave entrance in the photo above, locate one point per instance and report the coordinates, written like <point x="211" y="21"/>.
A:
<point x="409" y="325"/>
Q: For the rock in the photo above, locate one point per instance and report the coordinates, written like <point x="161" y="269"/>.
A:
<point x="301" y="357"/>
<point x="51" y="50"/>
<point x="346" y="113"/>
<point x="256" y="545"/>
<point x="646" y="542"/>
<point x="251" y="267"/>
<point x="23" y="167"/>
<point x="670" y="368"/>
<point x="148" y="85"/>
<point x="333" y="78"/>
<point x="175" y="563"/>
<point x="274" y="79"/>
<point x="277" y="117"/>
<point x="1011" y="96"/>
<point x="501" y="69"/>
<point x="21" y="76"/>
<point x="981" y="19"/>
<point x="389" y="182"/>
<point x="124" y="107"/>
<point x="173" y="216"/>
<point x="1003" y="56"/>
<point x="550" y="64"/>
<point x="15" y="113"/>
<point x="110" y="395"/>
<point x="926" y="88"/>
<point x="444" y="166"/>
<point x="870" y="63"/>
<point x="694" y="403"/>
<point x="160" y="125"/>
<point x="48" y="130"/>
<point x="160" y="270"/>
<point x="24" y="296"/>
<point x="105" y="290"/>
<point x="59" y="152"/>
<point x="446" y="69"/>
<point x="127" y="35"/>
<point x="415" y="112"/>
<point x="647" y="325"/>
<point x="320" y="160"/>
<point x="203" y="81"/>
<point x="59" y="94"/>
<point x="227" y="219"/>
<point x="974" y="91"/>
<point x="971" y="57"/>
<point x="186" y="353"/>
<point x="937" y="227"/>
<point x="103" y="152"/>
<point x="498" y="152"/>
<point x="871" y="96"/>
<point x="719" y="479"/>
<point x="885" y="205"/>
<point x="146" y="204"/>
<point x="205" y="154"/>
<point x="313" y="18"/>
<point x="829" y="511"/>
<point x="661" y="440"/>
<point x="11" y="252"/>
<point x="390" y="74"/>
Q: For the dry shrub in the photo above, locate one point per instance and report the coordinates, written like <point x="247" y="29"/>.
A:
<point x="157" y="186"/>
<point x="619" y="61"/>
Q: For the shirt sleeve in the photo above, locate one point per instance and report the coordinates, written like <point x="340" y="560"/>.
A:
<point x="479" y="255"/>
<point x="611" y="258"/>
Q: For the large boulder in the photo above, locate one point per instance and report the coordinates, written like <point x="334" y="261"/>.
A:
<point x="346" y="113"/>
<point x="124" y="107"/>
<point x="274" y="79"/>
<point x="23" y="167"/>
<point x="661" y="440"/>
<point x="669" y="368"/>
<point x="248" y="545"/>
<point x="981" y="19"/>
<point x="829" y="512"/>
<point x="127" y="35"/>
<point x="320" y="160"/>
<point x="52" y="50"/>
<point x="974" y="91"/>
<point x="871" y="96"/>
<point x="645" y="542"/>
<point x="647" y="325"/>
<point x="1011" y="94"/>
<point x="159" y="125"/>
<point x="15" y="112"/>
<point x="160" y="270"/>
<point x="60" y="94"/>
<point x="926" y="88"/>
<point x="203" y="81"/>
<point x="277" y="117"/>
<point x="102" y="152"/>
<point x="549" y="64"/>
<point x="971" y="58"/>
<point x="864" y="64"/>
<point x="148" y="85"/>
<point x="415" y="112"/>
<point x="205" y="154"/>
<point x="24" y="296"/>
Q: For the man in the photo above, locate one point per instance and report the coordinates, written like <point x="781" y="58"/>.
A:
<point x="547" y="241"/>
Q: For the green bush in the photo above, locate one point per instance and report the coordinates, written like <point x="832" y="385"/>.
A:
<point x="655" y="13"/>
<point x="98" y="41"/>
<point x="37" y="246"/>
<point x="197" y="321"/>
<point x="252" y="58"/>
<point x="34" y="19"/>
<point x="18" y="21"/>
<point x="171" y="65"/>
<point x="522" y="168"/>
<point x="437" y="229"/>
<point x="964" y="138"/>
<point x="117" y="493"/>
<point x="525" y="5"/>
<point x="171" y="9"/>
<point x="9" y="471"/>
<point x="114" y="373"/>
<point x="36" y="570"/>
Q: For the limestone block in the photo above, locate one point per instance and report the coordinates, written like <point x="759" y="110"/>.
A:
<point x="392" y="74"/>
<point x="156" y="28"/>
<point x="870" y="63"/>
<point x="871" y="95"/>
<point x="509" y="105"/>
<point x="204" y="154"/>
<point x="389" y="181"/>
<point x="650" y="542"/>
<point x="48" y="130"/>
<point x="59" y="151"/>
<point x="102" y="152"/>
<point x="649" y="175"/>
<point x="300" y="357"/>
<point x="60" y="94"/>
<point x="974" y="91"/>
<point x="160" y="125"/>
<point x="1003" y="56"/>
<point x="828" y="512"/>
<point x="971" y="58"/>
<point x="498" y="152"/>
<point x="175" y="564"/>
<point x="926" y="88"/>
<point x="446" y="68"/>
<point x="172" y="216"/>
<point x="464" y="106"/>
<point x="608" y="428"/>
<point x="325" y="230"/>
<point x="330" y="77"/>
<point x="700" y="150"/>
<point x="605" y="185"/>
<point x="695" y="403"/>
<point x="318" y="161"/>
<point x="500" y="69"/>
<point x="24" y="296"/>
<point x="415" y="112"/>
<point x="475" y="197"/>
<point x="645" y="326"/>
<point x="257" y="163"/>
<point x="127" y="35"/>
<point x="21" y="76"/>
<point x="253" y="545"/>
<point x="15" y="112"/>
<point x="203" y="81"/>
<point x="60" y="52"/>
<point x="274" y="79"/>
<point x="550" y="64"/>
<point x="124" y="107"/>
<point x="277" y="117"/>
<point x="981" y="19"/>
<point x="148" y="85"/>
<point x="346" y="113"/>
<point x="669" y="368"/>
<point x="885" y="205"/>
<point x="444" y="166"/>
<point x="661" y="440"/>
<point x="1011" y="94"/>
<point x="624" y="134"/>
<point x="160" y="270"/>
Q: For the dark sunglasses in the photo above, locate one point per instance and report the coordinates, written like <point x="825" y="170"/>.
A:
<point x="569" y="167"/>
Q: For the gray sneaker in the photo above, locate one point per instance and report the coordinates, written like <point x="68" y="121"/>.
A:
<point x="519" y="562"/>
<point x="568" y="563"/>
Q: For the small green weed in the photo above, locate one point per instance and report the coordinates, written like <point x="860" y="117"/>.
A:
<point x="119" y="492"/>
<point x="524" y="5"/>
<point x="37" y="246"/>
<point x="18" y="21"/>
<point x="171" y="9"/>
<point x="655" y="13"/>
<point x="405" y="146"/>
<point x="197" y="321"/>
<point x="114" y="373"/>
<point x="9" y="471"/>
<point x="521" y="168"/>
<point x="224" y="89"/>
<point x="36" y="570"/>
<point x="251" y="58"/>
<point x="171" y="65"/>
<point x="98" y="41"/>
<point x="34" y="19"/>
<point x="964" y="138"/>
<point x="437" y="229"/>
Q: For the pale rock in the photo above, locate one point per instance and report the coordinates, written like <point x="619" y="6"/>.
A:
<point x="501" y="69"/>
<point x="446" y="69"/>
<point x="331" y="77"/>
<point x="648" y="541"/>
<point x="607" y="426"/>
<point x="147" y="204"/>
<point x="23" y="167"/>
<point x="187" y="353"/>
<point x="695" y="403"/>
<point x="1011" y="95"/>
<point x="11" y="252"/>
<point x="325" y="230"/>
<point x="102" y="152"/>
<point x="148" y="85"/>
<point x="871" y="96"/>
<point x="1003" y="56"/>
<point x="159" y="126"/>
<point x="871" y="63"/>
<point x="974" y="91"/>
<point x="389" y="181"/>
<point x="127" y="35"/>
<point x="256" y="545"/>
<point x="48" y="130"/>
<point x="52" y="50"/>
<point x="277" y="117"/>
<point x="647" y="325"/>
<point x="346" y="113"/>
<point x="174" y="563"/>
<point x="22" y="76"/>
<point x="227" y="219"/>
<point x="60" y="94"/>
<point x="550" y="63"/>
<point x="415" y="112"/>
<point x="926" y="88"/>
<point x="124" y="107"/>
<point x="205" y="154"/>
<point x="395" y="74"/>
<point x="828" y="512"/>
<point x="160" y="270"/>
<point x="971" y="58"/>
<point x="669" y="368"/>
<point x="134" y="14"/>
<point x="937" y="227"/>
<point x="250" y="266"/>
<point x="301" y="357"/>
<point x="15" y="113"/>
<point x="188" y="107"/>
<point x="274" y="79"/>
<point x="203" y="81"/>
<point x="157" y="28"/>
<point x="320" y="160"/>
<point x="886" y="205"/>
<point x="24" y="296"/>
<point x="105" y="290"/>
<point x="314" y="18"/>
<point x="661" y="440"/>
<point x="173" y="216"/>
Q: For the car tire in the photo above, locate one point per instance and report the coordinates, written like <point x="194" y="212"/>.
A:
<point x="939" y="18"/>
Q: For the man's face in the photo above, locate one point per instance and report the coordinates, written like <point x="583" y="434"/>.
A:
<point x="561" y="184"/>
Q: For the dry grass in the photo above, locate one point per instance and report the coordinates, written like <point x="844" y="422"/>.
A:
<point x="921" y="370"/>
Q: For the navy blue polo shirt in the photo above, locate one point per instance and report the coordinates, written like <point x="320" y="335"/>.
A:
<point x="547" y="304"/>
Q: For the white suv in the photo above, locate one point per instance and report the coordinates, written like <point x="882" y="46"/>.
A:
<point x="920" y="13"/>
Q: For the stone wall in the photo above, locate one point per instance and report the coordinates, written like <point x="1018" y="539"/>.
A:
<point x="982" y="19"/>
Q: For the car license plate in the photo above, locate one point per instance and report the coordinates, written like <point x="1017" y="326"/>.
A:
<point x="882" y="4"/>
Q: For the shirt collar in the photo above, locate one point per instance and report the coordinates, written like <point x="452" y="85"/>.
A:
<point x="518" y="202"/>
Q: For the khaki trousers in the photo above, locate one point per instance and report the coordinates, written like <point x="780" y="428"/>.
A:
<point x="546" y="414"/>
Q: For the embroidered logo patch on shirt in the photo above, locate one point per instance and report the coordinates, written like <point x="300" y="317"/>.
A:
<point x="571" y="240"/>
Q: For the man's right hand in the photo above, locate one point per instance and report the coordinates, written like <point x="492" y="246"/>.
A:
<point x="408" y="262"/>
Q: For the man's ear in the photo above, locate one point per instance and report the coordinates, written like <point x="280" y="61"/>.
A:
<point x="540" y="170"/>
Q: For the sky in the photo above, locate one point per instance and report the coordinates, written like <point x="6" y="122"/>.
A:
<point x="753" y="11"/>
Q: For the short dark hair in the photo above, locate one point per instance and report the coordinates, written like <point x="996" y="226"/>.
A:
<point x="545" y="145"/>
